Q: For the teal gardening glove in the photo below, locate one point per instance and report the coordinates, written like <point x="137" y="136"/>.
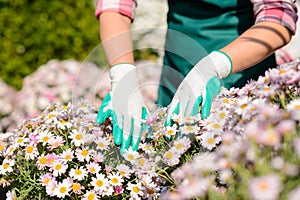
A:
<point x="200" y="86"/>
<point x="125" y="105"/>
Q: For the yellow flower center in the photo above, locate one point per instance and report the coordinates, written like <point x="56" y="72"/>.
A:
<point x="78" y="136"/>
<point x="297" y="107"/>
<point x="45" y="139"/>
<point x="179" y="146"/>
<point x="142" y="161"/>
<point x="78" y="172"/>
<point x="114" y="180"/>
<point x="225" y="100"/>
<point x="101" y="145"/>
<point x="243" y="106"/>
<point x="263" y="186"/>
<point x="170" y="132"/>
<point x="63" y="190"/>
<point x="130" y="157"/>
<point x="58" y="167"/>
<point x="217" y="126"/>
<point x="51" y="115"/>
<point x="92" y="170"/>
<point x="1" y="147"/>
<point x="211" y="141"/>
<point x="91" y="196"/>
<point x="189" y="128"/>
<point x="222" y="115"/>
<point x="84" y="152"/>
<point x="135" y="189"/>
<point x="46" y="181"/>
<point x="29" y="149"/>
<point x="122" y="173"/>
<point x="68" y="157"/>
<point x="75" y="187"/>
<point x="43" y="160"/>
<point x="169" y="155"/>
<point x="20" y="140"/>
<point x="282" y="71"/>
<point x="99" y="183"/>
<point x="6" y="165"/>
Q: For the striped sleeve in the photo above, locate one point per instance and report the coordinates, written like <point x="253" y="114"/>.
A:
<point x="125" y="7"/>
<point x="283" y="12"/>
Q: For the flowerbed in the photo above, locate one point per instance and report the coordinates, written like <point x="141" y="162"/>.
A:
<point x="248" y="148"/>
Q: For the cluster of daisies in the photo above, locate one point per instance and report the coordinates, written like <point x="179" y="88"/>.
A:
<point x="249" y="147"/>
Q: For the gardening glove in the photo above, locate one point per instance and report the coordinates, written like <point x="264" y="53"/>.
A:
<point x="125" y="105"/>
<point x="200" y="86"/>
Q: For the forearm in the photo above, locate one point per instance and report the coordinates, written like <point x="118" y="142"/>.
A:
<point x="116" y="38"/>
<point x="255" y="44"/>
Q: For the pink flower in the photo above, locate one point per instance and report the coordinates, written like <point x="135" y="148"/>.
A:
<point x="265" y="187"/>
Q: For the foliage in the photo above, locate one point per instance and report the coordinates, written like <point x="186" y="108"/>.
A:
<point x="33" y="32"/>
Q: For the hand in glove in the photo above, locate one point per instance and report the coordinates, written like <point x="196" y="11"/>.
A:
<point x="125" y="105"/>
<point x="200" y="86"/>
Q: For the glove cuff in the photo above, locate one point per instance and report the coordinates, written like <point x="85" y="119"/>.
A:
<point x="223" y="63"/>
<point x="117" y="72"/>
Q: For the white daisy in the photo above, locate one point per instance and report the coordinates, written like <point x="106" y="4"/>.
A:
<point x="62" y="189"/>
<point x="171" y="157"/>
<point x="78" y="173"/>
<point x="242" y="105"/>
<point x="67" y="155"/>
<point x="58" y="168"/>
<point x="6" y="166"/>
<point x="189" y="129"/>
<point x="209" y="140"/>
<point x="294" y="108"/>
<point x="21" y="141"/>
<point x="77" y="136"/>
<point x="102" y="143"/>
<point x="10" y="150"/>
<point x="182" y="144"/>
<point x="2" y="147"/>
<point x="171" y="130"/>
<point x="46" y="179"/>
<point x="82" y="154"/>
<point x="31" y="151"/>
<point x="77" y="188"/>
<point x="62" y="124"/>
<point x="44" y="137"/>
<point x="51" y="117"/>
<point x="124" y="170"/>
<point x="56" y="142"/>
<point x="41" y="162"/>
<point x="136" y="190"/>
<point x="131" y="155"/>
<point x="100" y="183"/>
<point x="115" y="179"/>
<point x="93" y="168"/>
<point x="90" y="195"/>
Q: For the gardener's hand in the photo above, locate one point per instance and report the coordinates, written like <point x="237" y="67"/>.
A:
<point x="125" y="105"/>
<point x="200" y="86"/>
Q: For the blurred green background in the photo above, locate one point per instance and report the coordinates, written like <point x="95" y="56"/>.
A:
<point x="34" y="32"/>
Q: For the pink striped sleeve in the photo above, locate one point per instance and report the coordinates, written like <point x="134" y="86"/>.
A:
<point x="283" y="12"/>
<point x="125" y="7"/>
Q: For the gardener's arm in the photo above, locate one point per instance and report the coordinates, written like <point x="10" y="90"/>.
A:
<point x="275" y="24"/>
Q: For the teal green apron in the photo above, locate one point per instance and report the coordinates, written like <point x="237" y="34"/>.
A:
<point x="197" y="27"/>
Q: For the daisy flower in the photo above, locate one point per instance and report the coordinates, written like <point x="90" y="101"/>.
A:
<point x="294" y="108"/>
<point x="100" y="183"/>
<point x="58" y="168"/>
<point x="82" y="154"/>
<point x="50" y="188"/>
<point x="51" y="158"/>
<point x="190" y="120"/>
<point x="44" y="137"/>
<point x="62" y="189"/>
<point x="77" y="188"/>
<point x="46" y="179"/>
<point x="31" y="151"/>
<point x="21" y="141"/>
<point x="51" y="117"/>
<point x="115" y="179"/>
<point x="136" y="190"/>
<point x="102" y="143"/>
<point x="209" y="140"/>
<point x="131" y="155"/>
<point x="182" y="144"/>
<point x="2" y="147"/>
<point x="41" y="162"/>
<point x="171" y="130"/>
<point x="97" y="156"/>
<point x="10" y="150"/>
<point x="242" y="105"/>
<point x="93" y="168"/>
<point x="265" y="187"/>
<point x="62" y="124"/>
<point x="76" y="136"/>
<point x="56" y="142"/>
<point x="67" y="155"/>
<point x="171" y="157"/>
<point x="78" y="173"/>
<point x="124" y="170"/>
<point x="146" y="147"/>
<point x="189" y="129"/>
<point x="6" y="166"/>
<point x="90" y="195"/>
